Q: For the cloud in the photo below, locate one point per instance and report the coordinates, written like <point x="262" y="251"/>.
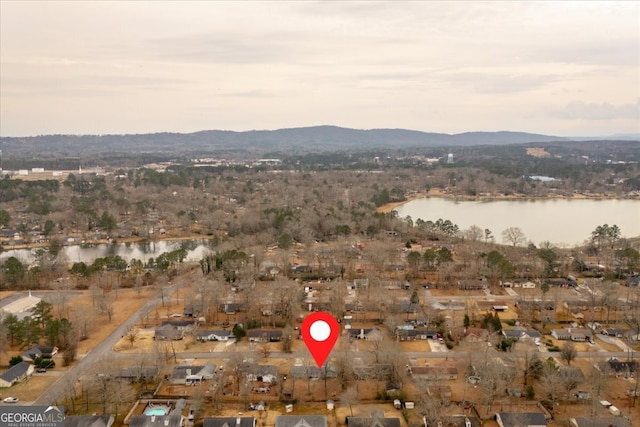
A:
<point x="578" y="110"/>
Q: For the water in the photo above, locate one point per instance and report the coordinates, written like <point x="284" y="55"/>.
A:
<point x="564" y="222"/>
<point x="196" y="249"/>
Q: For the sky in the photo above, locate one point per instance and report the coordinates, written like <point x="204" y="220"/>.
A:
<point x="565" y="68"/>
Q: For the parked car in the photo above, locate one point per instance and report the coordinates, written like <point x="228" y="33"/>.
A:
<point x="41" y="370"/>
<point x="11" y="400"/>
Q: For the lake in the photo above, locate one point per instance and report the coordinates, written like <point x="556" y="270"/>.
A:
<point x="564" y="222"/>
<point x="196" y="249"/>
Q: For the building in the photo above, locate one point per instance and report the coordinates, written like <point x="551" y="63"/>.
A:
<point x="229" y="422"/>
<point x="168" y="333"/>
<point x="371" y="334"/>
<point x="600" y="422"/>
<point x="264" y="335"/>
<point x="156" y="421"/>
<point x="261" y="373"/>
<point x="373" y="422"/>
<point x="328" y="370"/>
<point x="572" y="334"/>
<point x="39" y="351"/>
<point x="16" y="373"/>
<point x="215" y="335"/>
<point x="301" y="421"/>
<point x="415" y="334"/>
<point x="521" y="419"/>
<point x="192" y="374"/>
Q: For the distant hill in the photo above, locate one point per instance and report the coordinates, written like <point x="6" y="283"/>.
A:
<point x="306" y="139"/>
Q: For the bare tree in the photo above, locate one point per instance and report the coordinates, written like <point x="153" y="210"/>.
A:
<point x="349" y="397"/>
<point x="132" y="335"/>
<point x="568" y="352"/>
<point x="513" y="235"/>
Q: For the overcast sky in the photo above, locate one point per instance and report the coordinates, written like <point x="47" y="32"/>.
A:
<point x="555" y="67"/>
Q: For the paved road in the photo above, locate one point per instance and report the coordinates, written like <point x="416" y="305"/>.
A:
<point x="55" y="392"/>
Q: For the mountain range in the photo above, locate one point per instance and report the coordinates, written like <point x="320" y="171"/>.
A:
<point x="304" y="139"/>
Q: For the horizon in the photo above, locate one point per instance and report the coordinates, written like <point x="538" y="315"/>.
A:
<point x="566" y="69"/>
<point x="595" y="137"/>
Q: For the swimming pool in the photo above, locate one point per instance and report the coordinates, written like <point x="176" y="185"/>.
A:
<point x="156" y="410"/>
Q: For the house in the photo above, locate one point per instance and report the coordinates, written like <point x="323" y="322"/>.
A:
<point x="301" y="421"/>
<point x="214" y="335"/>
<point x="460" y="421"/>
<point x="16" y="373"/>
<point x="626" y="368"/>
<point x="189" y="311"/>
<point x="520" y="333"/>
<point x="168" y="333"/>
<point x="521" y="419"/>
<point x="88" y="420"/>
<point x="561" y="334"/>
<point x="138" y="373"/>
<point x="156" y="421"/>
<point x="372" y="422"/>
<point x="600" y="422"/>
<point x="230" y="308"/>
<point x="262" y="373"/>
<point x="181" y="325"/>
<point x="434" y="372"/>
<point x="613" y="332"/>
<point x="403" y="334"/>
<point x="264" y="335"/>
<point x="41" y="351"/>
<point x="472" y="285"/>
<point x="572" y="374"/>
<point x="229" y="422"/>
<point x="573" y="334"/>
<point x="192" y="374"/>
<point x="301" y="269"/>
<point x="328" y="370"/>
<point x="371" y="334"/>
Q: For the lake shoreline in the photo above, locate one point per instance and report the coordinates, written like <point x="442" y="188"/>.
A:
<point x="439" y="193"/>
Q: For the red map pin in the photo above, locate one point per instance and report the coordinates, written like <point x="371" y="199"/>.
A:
<point x="320" y="331"/>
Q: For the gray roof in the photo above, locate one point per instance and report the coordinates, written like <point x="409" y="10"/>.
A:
<point x="259" y="370"/>
<point x="229" y="422"/>
<point x="459" y="421"/>
<point x="136" y="372"/>
<point x="155" y="421"/>
<point x="600" y="422"/>
<point x="513" y="419"/>
<point x="169" y="331"/>
<point x="372" y="422"/>
<point x="301" y="421"/>
<point x="312" y="371"/>
<point x="88" y="420"/>
<point x="39" y="351"/>
<point x="181" y="371"/>
<point x="15" y="372"/>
